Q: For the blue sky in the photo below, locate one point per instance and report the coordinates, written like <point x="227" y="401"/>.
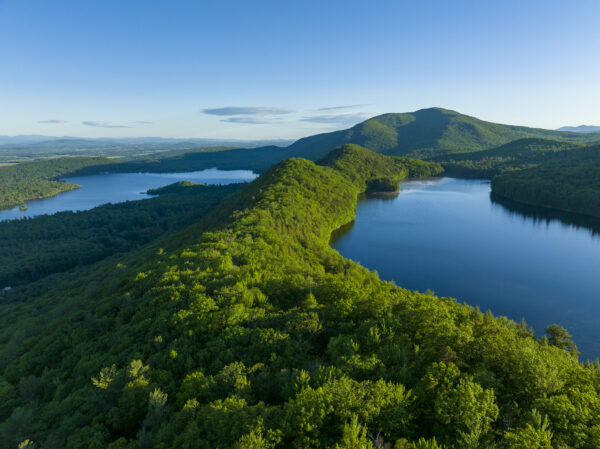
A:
<point x="286" y="69"/>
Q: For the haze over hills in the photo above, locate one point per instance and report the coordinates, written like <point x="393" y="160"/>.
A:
<point x="35" y="139"/>
<point x="580" y="129"/>
<point x="48" y="145"/>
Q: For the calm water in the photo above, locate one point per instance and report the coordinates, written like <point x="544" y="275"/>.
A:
<point x="447" y="235"/>
<point x="117" y="187"/>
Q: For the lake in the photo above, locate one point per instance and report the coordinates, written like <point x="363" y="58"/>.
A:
<point x="449" y="236"/>
<point x="118" y="187"/>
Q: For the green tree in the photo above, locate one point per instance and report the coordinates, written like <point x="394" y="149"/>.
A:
<point x="354" y="436"/>
<point x="534" y="434"/>
<point x="559" y="337"/>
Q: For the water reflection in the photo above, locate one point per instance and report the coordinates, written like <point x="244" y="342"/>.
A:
<point x="540" y="215"/>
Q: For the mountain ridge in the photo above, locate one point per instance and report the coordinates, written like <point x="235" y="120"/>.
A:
<point x="580" y="129"/>
<point x="426" y="133"/>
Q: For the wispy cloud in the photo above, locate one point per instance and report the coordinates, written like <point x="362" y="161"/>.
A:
<point x="53" y="121"/>
<point x="141" y="122"/>
<point x="246" y="110"/>
<point x="340" y="119"/>
<point x="247" y="120"/>
<point x="342" y="108"/>
<point x="102" y="124"/>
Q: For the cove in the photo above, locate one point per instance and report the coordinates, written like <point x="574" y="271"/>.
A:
<point x="448" y="235"/>
<point x="118" y="187"/>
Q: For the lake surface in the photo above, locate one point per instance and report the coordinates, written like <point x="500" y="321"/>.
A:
<point x="447" y="235"/>
<point x="118" y="187"/>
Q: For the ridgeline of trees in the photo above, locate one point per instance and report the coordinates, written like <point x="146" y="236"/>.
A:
<point x="35" y="180"/>
<point x="36" y="247"/>
<point x="516" y="155"/>
<point x="246" y="330"/>
<point x="569" y="184"/>
<point x="425" y="134"/>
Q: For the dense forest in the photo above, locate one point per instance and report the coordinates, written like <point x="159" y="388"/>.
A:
<point x="513" y="156"/>
<point x="34" y="180"/>
<point x="33" y="248"/>
<point x="570" y="184"/>
<point x="246" y="330"/>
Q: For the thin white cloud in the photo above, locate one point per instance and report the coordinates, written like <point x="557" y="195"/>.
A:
<point x="340" y="119"/>
<point x="53" y="121"/>
<point x="246" y="110"/>
<point x="342" y="108"/>
<point x="247" y="120"/>
<point x="102" y="124"/>
<point x="141" y="122"/>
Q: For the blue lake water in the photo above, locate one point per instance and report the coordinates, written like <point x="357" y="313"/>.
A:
<point x="118" y="187"/>
<point x="449" y="236"/>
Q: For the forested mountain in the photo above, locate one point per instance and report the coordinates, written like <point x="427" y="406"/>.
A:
<point x="426" y="133"/>
<point x="247" y="330"/>
<point x="567" y="183"/>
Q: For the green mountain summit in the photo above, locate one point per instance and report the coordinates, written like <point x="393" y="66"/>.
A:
<point x="425" y="133"/>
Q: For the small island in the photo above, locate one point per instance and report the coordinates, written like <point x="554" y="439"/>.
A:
<point x="23" y="207"/>
<point x="176" y="187"/>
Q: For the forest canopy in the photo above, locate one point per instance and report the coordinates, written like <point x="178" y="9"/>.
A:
<point x="246" y="330"/>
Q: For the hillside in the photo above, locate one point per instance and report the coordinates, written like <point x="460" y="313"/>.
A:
<point x="426" y="133"/>
<point x="437" y="134"/>
<point x="570" y="183"/>
<point x="255" y="159"/>
<point x="515" y="155"/>
<point x="247" y="330"/>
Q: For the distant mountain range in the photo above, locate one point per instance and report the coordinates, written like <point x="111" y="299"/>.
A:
<point x="580" y="129"/>
<point x="66" y="142"/>
<point x="426" y="133"/>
